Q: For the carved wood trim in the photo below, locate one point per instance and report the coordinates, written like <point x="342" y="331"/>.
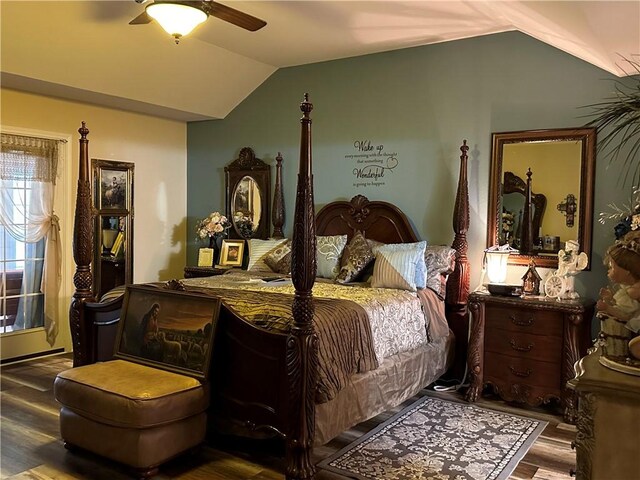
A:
<point x="82" y="253"/>
<point x="585" y="436"/>
<point x="475" y="353"/>
<point x="277" y="214"/>
<point x="302" y="342"/>
<point x="458" y="282"/>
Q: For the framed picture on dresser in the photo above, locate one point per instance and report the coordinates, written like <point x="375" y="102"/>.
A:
<point x="232" y="253"/>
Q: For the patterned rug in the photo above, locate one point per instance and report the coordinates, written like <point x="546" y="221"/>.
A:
<point x="441" y="440"/>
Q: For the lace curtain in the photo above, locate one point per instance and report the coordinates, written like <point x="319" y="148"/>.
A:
<point x="34" y="160"/>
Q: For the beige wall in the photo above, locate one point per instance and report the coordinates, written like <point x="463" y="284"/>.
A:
<point x="158" y="149"/>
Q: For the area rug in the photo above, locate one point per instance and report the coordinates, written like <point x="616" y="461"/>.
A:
<point x="441" y="440"/>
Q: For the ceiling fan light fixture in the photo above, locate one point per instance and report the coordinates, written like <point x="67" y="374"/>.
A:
<point x="176" y="19"/>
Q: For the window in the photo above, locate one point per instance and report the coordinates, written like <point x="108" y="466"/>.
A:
<point x="28" y="233"/>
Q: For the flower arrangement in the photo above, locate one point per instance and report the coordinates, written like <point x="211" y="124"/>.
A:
<point x="213" y="226"/>
<point x="627" y="216"/>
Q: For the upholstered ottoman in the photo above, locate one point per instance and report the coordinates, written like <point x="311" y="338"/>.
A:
<point x="134" y="414"/>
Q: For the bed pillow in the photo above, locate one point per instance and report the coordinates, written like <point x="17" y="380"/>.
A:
<point x="396" y="267"/>
<point x="279" y="259"/>
<point x="329" y="251"/>
<point x="421" y="267"/>
<point x="440" y="261"/>
<point x="355" y="258"/>
<point x="258" y="250"/>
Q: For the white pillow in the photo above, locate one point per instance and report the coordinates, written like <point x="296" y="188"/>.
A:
<point x="258" y="250"/>
<point x="328" y="253"/>
<point x="396" y="268"/>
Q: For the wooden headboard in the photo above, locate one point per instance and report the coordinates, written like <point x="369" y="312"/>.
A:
<point x="377" y="220"/>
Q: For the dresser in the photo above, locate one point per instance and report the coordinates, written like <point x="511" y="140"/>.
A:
<point x="608" y="423"/>
<point x="525" y="348"/>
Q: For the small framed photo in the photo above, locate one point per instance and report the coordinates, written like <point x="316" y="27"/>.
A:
<point x="205" y="257"/>
<point x="231" y="253"/>
<point x="167" y="329"/>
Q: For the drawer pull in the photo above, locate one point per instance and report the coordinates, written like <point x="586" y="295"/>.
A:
<point x="521" y="323"/>
<point x="518" y="373"/>
<point x="518" y="348"/>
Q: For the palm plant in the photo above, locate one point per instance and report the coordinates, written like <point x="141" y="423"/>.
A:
<point x="617" y="121"/>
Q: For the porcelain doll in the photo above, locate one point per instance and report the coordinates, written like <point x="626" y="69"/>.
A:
<point x="623" y="301"/>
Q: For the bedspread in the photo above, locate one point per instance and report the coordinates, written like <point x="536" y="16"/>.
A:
<point x="397" y="318"/>
<point x="345" y="345"/>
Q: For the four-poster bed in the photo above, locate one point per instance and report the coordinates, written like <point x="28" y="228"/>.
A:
<point x="268" y="380"/>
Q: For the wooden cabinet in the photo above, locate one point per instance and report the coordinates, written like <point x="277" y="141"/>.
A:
<point x="608" y="421"/>
<point x="525" y="348"/>
<point x="191" y="272"/>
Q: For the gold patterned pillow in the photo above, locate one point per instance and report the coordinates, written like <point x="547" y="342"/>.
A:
<point x="279" y="259"/>
<point x="355" y="258"/>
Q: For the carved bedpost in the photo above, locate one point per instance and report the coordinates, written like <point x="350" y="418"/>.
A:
<point x="277" y="217"/>
<point x="302" y="343"/>
<point x="82" y="252"/>
<point x="458" y="282"/>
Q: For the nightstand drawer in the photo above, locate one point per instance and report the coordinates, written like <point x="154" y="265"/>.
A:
<point x="518" y="370"/>
<point x="524" y="320"/>
<point x="524" y="345"/>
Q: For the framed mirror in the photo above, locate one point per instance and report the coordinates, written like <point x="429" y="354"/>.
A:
<point x="561" y="164"/>
<point x="113" y="227"/>
<point x="248" y="184"/>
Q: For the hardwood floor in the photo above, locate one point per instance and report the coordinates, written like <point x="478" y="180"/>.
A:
<point x="31" y="447"/>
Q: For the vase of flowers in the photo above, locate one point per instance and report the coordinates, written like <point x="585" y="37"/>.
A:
<point x="627" y="216"/>
<point x="213" y="228"/>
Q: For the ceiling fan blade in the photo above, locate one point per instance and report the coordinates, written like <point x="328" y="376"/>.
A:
<point x="231" y="15"/>
<point x="141" y="19"/>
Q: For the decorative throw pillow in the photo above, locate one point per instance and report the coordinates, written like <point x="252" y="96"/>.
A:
<point x="421" y="267"/>
<point x="258" y="250"/>
<point x="397" y="268"/>
<point x="440" y="261"/>
<point x="356" y="256"/>
<point x="329" y="250"/>
<point x="279" y="259"/>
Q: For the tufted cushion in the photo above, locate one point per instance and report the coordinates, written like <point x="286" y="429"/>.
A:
<point x="398" y="267"/>
<point x="258" y="250"/>
<point x="328" y="254"/>
<point x="355" y="258"/>
<point x="279" y="259"/>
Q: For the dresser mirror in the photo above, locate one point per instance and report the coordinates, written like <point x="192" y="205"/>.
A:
<point x="557" y="169"/>
<point x="248" y="183"/>
<point x="113" y="227"/>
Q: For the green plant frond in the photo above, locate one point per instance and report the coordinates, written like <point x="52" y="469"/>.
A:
<point x="617" y="123"/>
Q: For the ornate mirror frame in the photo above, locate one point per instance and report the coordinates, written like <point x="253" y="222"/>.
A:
<point x="247" y="165"/>
<point x="113" y="224"/>
<point x="586" y="173"/>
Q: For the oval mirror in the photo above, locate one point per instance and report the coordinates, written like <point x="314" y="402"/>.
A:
<point x="246" y="207"/>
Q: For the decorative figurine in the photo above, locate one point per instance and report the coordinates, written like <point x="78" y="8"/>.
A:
<point x="560" y="284"/>
<point x="531" y="280"/>
<point x="619" y="306"/>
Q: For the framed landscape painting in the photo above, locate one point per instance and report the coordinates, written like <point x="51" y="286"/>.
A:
<point x="168" y="329"/>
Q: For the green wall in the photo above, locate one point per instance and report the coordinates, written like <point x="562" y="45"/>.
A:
<point x="419" y="103"/>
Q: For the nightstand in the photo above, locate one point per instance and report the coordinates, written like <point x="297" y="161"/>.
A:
<point x="191" y="272"/>
<point x="526" y="347"/>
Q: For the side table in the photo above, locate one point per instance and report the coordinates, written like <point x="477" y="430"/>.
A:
<point x="526" y="347"/>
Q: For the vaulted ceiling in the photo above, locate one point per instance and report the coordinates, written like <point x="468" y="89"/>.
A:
<point x="87" y="51"/>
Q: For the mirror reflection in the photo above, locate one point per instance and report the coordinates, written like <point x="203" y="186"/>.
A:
<point x="246" y="207"/>
<point x="561" y="166"/>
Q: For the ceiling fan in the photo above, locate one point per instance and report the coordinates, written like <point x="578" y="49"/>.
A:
<point x="180" y="17"/>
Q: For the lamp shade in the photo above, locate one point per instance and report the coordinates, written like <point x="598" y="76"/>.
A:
<point x="176" y="18"/>
<point x="497" y="265"/>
